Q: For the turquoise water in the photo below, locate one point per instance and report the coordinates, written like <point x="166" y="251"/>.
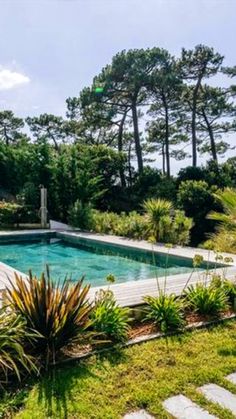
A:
<point x="95" y="263"/>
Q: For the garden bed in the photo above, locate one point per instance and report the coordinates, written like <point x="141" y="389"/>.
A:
<point x="143" y="332"/>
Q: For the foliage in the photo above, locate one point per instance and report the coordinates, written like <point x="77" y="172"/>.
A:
<point x="9" y="212"/>
<point x="59" y="313"/>
<point x="90" y="155"/>
<point x="196" y="199"/>
<point x="81" y="215"/>
<point x="191" y="173"/>
<point x="228" y="286"/>
<point x="166" y="311"/>
<point x="165" y="224"/>
<point x="227" y="197"/>
<point x="158" y="216"/>
<point x="224" y="240"/>
<point x="206" y="300"/>
<point x="175" y="229"/>
<point x="132" y="225"/>
<point x="14" y="361"/>
<point x="109" y="319"/>
<point x="199" y="357"/>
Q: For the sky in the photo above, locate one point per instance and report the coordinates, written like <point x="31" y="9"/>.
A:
<point x="51" y="49"/>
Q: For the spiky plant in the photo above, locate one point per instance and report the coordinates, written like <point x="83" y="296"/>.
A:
<point x="110" y="320"/>
<point x="227" y="198"/>
<point x="166" y="311"/>
<point x="13" y="359"/>
<point x="158" y="213"/>
<point x="224" y="239"/>
<point x="58" y="312"/>
<point x="206" y="300"/>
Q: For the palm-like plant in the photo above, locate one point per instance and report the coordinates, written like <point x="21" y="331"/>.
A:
<point x="13" y="359"/>
<point x="227" y="198"/>
<point x="58" y="312"/>
<point x="224" y="239"/>
<point x="158" y="213"/>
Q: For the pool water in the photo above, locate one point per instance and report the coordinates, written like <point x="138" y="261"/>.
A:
<point x="94" y="262"/>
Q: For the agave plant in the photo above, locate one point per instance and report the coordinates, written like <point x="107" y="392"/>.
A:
<point x="13" y="359"/>
<point x="58" y="312"/>
<point x="158" y="213"/>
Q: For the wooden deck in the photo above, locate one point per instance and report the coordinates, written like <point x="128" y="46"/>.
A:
<point x="131" y="293"/>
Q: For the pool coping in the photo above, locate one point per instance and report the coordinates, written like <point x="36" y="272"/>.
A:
<point x="127" y="293"/>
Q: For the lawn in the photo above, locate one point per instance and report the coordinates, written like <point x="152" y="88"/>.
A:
<point x="141" y="376"/>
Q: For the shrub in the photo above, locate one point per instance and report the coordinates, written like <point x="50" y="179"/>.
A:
<point x="158" y="214"/>
<point x="206" y="300"/>
<point x="171" y="229"/>
<point x="132" y="225"/>
<point x="105" y="222"/>
<point x="166" y="311"/>
<point x="80" y="215"/>
<point x="13" y="360"/>
<point x="166" y="224"/>
<point x="228" y="286"/>
<point x="180" y="230"/>
<point x="196" y="199"/>
<point x="109" y="319"/>
<point x="9" y="213"/>
<point x="58" y="312"/>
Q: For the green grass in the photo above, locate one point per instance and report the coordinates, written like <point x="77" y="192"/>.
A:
<point x="141" y="376"/>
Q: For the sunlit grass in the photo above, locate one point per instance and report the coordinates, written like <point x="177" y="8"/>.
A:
<point x="141" y="376"/>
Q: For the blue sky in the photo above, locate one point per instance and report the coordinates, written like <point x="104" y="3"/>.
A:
<point x="51" y="49"/>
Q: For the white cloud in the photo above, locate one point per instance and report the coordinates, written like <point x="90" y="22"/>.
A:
<point x="10" y="79"/>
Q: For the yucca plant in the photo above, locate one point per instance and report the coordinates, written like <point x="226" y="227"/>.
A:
<point x="58" y="312"/>
<point x="206" y="300"/>
<point x="14" y="361"/>
<point x="158" y="213"/>
<point x="166" y="311"/>
<point x="109" y="319"/>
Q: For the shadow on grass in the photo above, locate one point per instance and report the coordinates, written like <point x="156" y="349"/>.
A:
<point x="56" y="388"/>
<point x="227" y="352"/>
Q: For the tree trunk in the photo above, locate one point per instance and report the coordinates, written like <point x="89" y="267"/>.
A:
<point x="193" y="126"/>
<point x="120" y="148"/>
<point x="194" y="114"/>
<point x="138" y="148"/>
<point x="129" y="165"/>
<point x="212" y="139"/>
<point x="163" y="159"/>
<point x="167" y="152"/>
<point x="6" y="136"/>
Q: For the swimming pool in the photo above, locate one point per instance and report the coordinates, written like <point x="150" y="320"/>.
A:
<point x="94" y="261"/>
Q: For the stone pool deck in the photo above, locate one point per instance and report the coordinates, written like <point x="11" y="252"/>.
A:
<point x="130" y="293"/>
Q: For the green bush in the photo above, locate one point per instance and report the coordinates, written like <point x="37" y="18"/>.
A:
<point x="166" y="224"/>
<point x="58" y="312"/>
<point x="206" y="300"/>
<point x="228" y="286"/>
<point x="109" y="319"/>
<point x="196" y="199"/>
<point x="171" y="229"/>
<point x="80" y="215"/>
<point x="166" y="311"/>
<point x="14" y="361"/>
<point x="132" y="225"/>
<point x="9" y="212"/>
